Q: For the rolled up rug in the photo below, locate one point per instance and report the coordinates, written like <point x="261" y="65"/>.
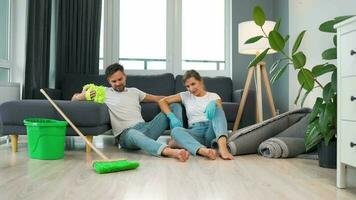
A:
<point x="282" y="147"/>
<point x="287" y="144"/>
<point x="248" y="139"/>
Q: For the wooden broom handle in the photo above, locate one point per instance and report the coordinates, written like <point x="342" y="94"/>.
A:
<point x="74" y="127"/>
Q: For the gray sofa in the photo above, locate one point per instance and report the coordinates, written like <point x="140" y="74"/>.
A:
<point x="93" y="119"/>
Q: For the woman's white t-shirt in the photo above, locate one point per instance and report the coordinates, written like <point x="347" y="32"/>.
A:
<point x="195" y="106"/>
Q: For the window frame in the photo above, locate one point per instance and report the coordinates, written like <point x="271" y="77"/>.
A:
<point x="173" y="40"/>
<point x="6" y="63"/>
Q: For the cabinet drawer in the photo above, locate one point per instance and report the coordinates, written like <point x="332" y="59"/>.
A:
<point x="347" y="103"/>
<point x="345" y="137"/>
<point x="347" y="61"/>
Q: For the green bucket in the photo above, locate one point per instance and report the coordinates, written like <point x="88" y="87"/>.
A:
<point x="45" y="138"/>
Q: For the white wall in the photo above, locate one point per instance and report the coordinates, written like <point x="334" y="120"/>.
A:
<point x="308" y="15"/>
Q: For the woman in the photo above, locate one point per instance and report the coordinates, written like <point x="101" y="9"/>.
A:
<point x="206" y="119"/>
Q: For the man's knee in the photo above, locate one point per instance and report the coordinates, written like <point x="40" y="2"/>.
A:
<point x="177" y="131"/>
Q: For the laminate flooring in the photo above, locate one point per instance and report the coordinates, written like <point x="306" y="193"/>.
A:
<point x="246" y="177"/>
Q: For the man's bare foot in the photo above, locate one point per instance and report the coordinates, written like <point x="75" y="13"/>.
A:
<point x="209" y="153"/>
<point x="172" y="144"/>
<point x="226" y="155"/>
<point x="180" y="154"/>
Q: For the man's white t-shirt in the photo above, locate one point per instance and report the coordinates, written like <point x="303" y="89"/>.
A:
<point x="124" y="108"/>
<point x="195" y="106"/>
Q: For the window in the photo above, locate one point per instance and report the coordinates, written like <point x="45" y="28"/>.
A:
<point x="159" y="36"/>
<point x="5" y="40"/>
<point x="203" y="34"/>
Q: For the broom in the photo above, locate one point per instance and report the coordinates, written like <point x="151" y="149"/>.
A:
<point x="100" y="166"/>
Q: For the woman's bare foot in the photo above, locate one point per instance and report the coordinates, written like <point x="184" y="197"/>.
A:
<point x="223" y="150"/>
<point x="209" y="153"/>
<point x="172" y="144"/>
<point x="226" y="155"/>
<point x="180" y="154"/>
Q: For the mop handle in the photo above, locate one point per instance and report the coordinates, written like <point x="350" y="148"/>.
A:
<point x="74" y="127"/>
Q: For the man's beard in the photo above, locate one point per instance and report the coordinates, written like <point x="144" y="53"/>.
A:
<point x="120" y="88"/>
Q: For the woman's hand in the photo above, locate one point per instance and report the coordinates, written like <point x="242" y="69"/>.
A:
<point x="175" y="122"/>
<point x="210" y="110"/>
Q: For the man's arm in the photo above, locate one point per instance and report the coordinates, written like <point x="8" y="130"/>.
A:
<point x="152" y="98"/>
<point x="81" y="96"/>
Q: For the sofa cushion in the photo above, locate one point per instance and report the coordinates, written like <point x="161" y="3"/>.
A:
<point x="82" y="114"/>
<point x="73" y="83"/>
<point x="220" y="85"/>
<point x="162" y="84"/>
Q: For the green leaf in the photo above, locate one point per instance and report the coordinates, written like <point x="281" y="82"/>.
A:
<point x="328" y="26"/>
<point x="335" y="40"/>
<point x="312" y="135"/>
<point x="305" y="97"/>
<point x="274" y="66"/>
<point x="319" y="70"/>
<point x="253" y="39"/>
<point x="277" y="25"/>
<point x="279" y="73"/>
<point x="286" y="38"/>
<point x="329" y="135"/>
<point x="297" y="42"/>
<point x="315" y="111"/>
<point x="259" y="16"/>
<point x="299" y="60"/>
<point x="327" y="120"/>
<point x="334" y="81"/>
<point x="258" y="58"/>
<point x="298" y="95"/>
<point x="276" y="41"/>
<point x="342" y="18"/>
<point x="325" y="117"/>
<point x="329" y="54"/>
<point x="306" y="78"/>
<point x="328" y="92"/>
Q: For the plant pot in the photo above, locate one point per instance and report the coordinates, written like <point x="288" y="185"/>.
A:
<point x="327" y="154"/>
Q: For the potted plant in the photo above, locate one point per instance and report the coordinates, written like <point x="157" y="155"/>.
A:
<point x="321" y="129"/>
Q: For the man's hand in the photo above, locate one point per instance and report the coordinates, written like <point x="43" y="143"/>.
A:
<point x="175" y="122"/>
<point x="81" y="96"/>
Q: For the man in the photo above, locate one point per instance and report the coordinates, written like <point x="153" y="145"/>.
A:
<point x="126" y="119"/>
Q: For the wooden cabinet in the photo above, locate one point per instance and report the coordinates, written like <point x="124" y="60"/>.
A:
<point x="346" y="98"/>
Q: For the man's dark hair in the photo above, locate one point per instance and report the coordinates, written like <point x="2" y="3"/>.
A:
<point x="113" y="68"/>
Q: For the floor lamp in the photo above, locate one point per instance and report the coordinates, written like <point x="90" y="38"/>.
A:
<point x="248" y="30"/>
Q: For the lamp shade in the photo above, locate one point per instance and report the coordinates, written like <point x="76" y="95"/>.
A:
<point x="248" y="30"/>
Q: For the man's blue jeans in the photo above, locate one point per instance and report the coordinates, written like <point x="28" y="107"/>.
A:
<point x="144" y="134"/>
<point x="201" y="134"/>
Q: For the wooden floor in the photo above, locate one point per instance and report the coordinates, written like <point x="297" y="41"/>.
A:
<point x="247" y="177"/>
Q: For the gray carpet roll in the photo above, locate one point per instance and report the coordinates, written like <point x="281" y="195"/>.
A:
<point x="248" y="139"/>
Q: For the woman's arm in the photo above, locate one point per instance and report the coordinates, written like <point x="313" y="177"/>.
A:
<point x="219" y="103"/>
<point x="164" y="103"/>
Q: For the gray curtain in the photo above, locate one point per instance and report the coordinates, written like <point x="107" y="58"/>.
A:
<point x="38" y="46"/>
<point x="78" y="37"/>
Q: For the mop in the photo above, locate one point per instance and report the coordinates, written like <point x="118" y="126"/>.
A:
<point x="100" y="166"/>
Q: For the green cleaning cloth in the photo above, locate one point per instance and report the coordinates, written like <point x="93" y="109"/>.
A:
<point x="99" y="93"/>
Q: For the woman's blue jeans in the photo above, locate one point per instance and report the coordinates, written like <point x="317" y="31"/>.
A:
<point x="201" y="134"/>
<point x="144" y="135"/>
